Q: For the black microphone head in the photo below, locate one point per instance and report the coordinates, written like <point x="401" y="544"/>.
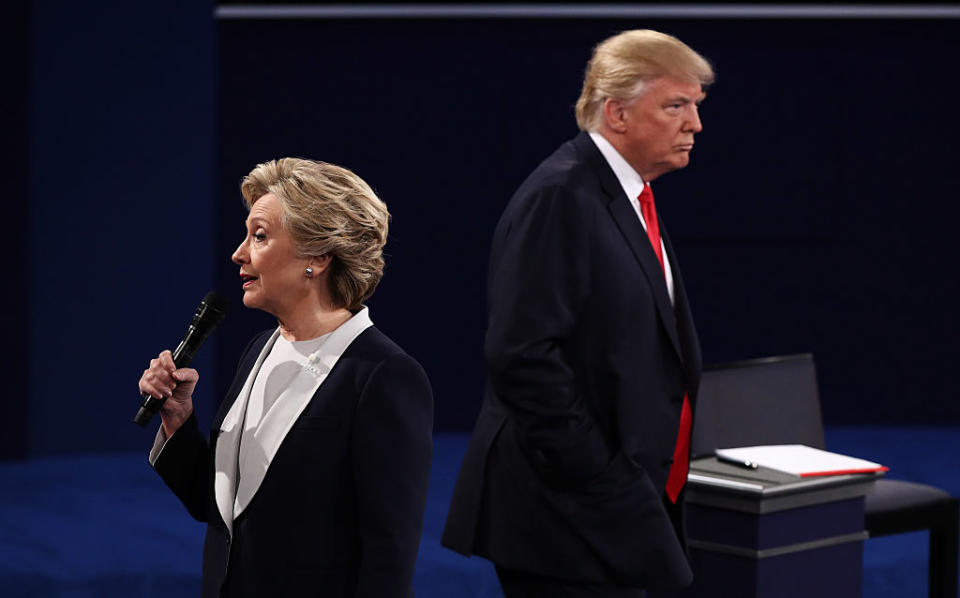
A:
<point x="208" y="316"/>
<point x="210" y="311"/>
<point x="216" y="301"/>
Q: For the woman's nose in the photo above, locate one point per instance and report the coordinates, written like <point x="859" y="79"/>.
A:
<point x="240" y="254"/>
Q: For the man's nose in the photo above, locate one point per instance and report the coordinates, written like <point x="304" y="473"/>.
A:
<point x="694" y="121"/>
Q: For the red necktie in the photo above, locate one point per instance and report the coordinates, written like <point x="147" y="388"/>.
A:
<point x="681" y="451"/>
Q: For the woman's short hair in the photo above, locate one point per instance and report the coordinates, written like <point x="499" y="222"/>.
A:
<point x="621" y="66"/>
<point x="327" y="209"/>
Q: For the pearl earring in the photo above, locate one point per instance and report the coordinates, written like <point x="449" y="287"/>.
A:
<point x="308" y="272"/>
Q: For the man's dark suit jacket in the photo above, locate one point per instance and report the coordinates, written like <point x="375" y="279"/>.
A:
<point x="588" y="363"/>
<point x="340" y="510"/>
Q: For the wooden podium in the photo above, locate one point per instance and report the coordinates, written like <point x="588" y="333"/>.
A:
<point x="763" y="533"/>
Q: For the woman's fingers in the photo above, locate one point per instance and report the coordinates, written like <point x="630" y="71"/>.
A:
<point x="185" y="380"/>
<point x="157" y="380"/>
<point x="166" y="360"/>
<point x="186" y="375"/>
<point x="148" y="384"/>
<point x="163" y="380"/>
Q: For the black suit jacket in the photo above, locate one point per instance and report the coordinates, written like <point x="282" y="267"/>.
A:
<point x="340" y="509"/>
<point x="588" y="363"/>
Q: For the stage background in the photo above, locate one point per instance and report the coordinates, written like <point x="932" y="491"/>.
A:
<point x="818" y="214"/>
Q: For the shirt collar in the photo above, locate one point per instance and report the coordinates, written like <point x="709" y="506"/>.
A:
<point x="630" y="179"/>
<point x="334" y="346"/>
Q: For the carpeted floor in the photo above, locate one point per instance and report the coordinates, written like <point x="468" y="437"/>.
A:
<point x="100" y="526"/>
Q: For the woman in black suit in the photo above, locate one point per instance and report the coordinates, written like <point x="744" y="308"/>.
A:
<point x="314" y="480"/>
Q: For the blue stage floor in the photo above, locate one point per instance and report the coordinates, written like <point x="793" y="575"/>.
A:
<point x="100" y="526"/>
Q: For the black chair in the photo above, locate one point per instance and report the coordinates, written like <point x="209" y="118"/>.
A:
<point x="775" y="401"/>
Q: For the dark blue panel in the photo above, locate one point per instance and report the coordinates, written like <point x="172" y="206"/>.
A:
<point x="831" y="572"/>
<point x="120" y="237"/>
<point x="772" y="530"/>
<point x="15" y="300"/>
<point x="817" y="214"/>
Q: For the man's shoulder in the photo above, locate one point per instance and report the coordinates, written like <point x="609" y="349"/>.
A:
<point x="569" y="162"/>
<point x="570" y="171"/>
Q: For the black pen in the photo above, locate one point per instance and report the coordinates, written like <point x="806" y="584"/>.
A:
<point x="737" y="462"/>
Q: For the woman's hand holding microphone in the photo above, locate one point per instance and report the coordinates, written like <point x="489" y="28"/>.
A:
<point x="163" y="379"/>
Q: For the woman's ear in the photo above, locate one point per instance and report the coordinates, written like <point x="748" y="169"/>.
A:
<point x="319" y="264"/>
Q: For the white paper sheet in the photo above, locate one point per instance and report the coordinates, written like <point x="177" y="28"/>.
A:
<point x="800" y="460"/>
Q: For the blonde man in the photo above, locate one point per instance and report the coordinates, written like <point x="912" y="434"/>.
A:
<point x="573" y="481"/>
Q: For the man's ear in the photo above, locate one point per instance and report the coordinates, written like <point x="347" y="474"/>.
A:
<point x="614" y="115"/>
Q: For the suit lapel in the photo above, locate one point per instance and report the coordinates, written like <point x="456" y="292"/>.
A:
<point x="636" y="237"/>
<point x="233" y="497"/>
<point x="228" y="441"/>
<point x="629" y="225"/>
<point x="688" y="335"/>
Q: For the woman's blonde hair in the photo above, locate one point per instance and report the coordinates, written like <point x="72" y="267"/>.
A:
<point x="328" y="210"/>
<point x="621" y="66"/>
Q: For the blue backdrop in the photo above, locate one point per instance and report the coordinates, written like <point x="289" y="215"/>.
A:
<point x="120" y="210"/>
<point x="817" y="214"/>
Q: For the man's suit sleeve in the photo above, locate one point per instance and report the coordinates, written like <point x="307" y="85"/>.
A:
<point x="539" y="284"/>
<point x="392" y="451"/>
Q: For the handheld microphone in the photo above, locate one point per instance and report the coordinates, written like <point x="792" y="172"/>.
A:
<point x="209" y="314"/>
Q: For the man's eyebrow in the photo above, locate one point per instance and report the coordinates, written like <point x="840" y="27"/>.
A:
<point x="685" y="99"/>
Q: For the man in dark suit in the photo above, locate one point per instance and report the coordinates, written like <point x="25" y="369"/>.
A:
<point x="572" y="482"/>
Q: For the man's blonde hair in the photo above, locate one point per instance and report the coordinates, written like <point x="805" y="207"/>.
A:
<point x="327" y="209"/>
<point x="621" y="66"/>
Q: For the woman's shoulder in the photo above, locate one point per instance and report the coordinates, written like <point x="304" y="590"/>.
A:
<point x="373" y="344"/>
<point x="386" y="375"/>
<point x="373" y="350"/>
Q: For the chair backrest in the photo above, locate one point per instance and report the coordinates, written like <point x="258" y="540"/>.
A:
<point x="772" y="400"/>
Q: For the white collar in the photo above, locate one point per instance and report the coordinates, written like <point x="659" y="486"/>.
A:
<point x="630" y="180"/>
<point x="632" y="184"/>
<point x="232" y="498"/>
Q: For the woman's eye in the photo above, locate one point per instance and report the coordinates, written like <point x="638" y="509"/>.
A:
<point x="259" y="236"/>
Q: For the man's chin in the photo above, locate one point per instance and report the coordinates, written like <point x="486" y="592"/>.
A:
<point x="680" y="160"/>
<point x="674" y="163"/>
